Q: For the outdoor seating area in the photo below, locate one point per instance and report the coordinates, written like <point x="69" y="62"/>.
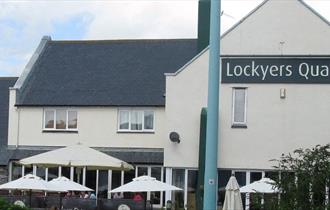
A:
<point x="51" y="201"/>
<point x="64" y="193"/>
<point x="33" y="192"/>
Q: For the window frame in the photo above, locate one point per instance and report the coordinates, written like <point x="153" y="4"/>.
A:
<point x="67" y="129"/>
<point x="130" y="110"/>
<point x="244" y="123"/>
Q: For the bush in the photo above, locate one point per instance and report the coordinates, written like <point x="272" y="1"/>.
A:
<point x="304" y="175"/>
<point x="4" y="205"/>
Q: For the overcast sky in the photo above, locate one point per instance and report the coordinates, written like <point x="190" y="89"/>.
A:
<point x="23" y="23"/>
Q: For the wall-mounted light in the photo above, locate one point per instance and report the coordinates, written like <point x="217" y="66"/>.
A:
<point x="282" y="93"/>
<point x="175" y="137"/>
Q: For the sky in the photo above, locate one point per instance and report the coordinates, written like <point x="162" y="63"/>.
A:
<point x="24" y="22"/>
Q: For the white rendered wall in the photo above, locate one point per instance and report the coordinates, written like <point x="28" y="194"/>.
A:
<point x="277" y="21"/>
<point x="97" y="127"/>
<point x="275" y="125"/>
<point x="186" y="94"/>
<point x="13" y="120"/>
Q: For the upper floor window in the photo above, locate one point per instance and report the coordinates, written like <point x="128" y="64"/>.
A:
<point x="60" y="119"/>
<point x="239" y="107"/>
<point x="135" y="120"/>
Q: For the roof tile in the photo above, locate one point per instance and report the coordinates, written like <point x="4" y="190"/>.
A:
<point x="105" y="73"/>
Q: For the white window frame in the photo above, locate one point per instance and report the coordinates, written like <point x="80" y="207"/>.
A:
<point x="244" y="123"/>
<point x="67" y="120"/>
<point x="130" y="110"/>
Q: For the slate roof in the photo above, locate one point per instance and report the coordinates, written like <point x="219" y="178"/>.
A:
<point x="5" y="155"/>
<point x="5" y="83"/>
<point x="131" y="155"/>
<point x="104" y="73"/>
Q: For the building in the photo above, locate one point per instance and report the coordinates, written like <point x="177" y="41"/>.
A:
<point x="104" y="94"/>
<point x="261" y="115"/>
<point x="114" y="96"/>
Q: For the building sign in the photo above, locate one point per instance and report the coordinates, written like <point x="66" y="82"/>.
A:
<point x="276" y="70"/>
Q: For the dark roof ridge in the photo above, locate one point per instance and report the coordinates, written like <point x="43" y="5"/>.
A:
<point x="92" y="41"/>
<point x="9" y="77"/>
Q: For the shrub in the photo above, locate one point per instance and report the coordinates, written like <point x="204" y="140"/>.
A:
<point x="304" y="176"/>
<point x="4" y="205"/>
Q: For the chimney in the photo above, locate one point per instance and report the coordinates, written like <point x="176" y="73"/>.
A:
<point x="203" y="24"/>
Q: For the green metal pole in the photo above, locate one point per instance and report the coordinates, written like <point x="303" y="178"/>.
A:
<point x="201" y="160"/>
<point x="211" y="159"/>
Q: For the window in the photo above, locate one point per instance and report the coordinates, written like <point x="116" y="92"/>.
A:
<point x="240" y="177"/>
<point x="135" y="120"/>
<point x="60" y="119"/>
<point x="239" y="107"/>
